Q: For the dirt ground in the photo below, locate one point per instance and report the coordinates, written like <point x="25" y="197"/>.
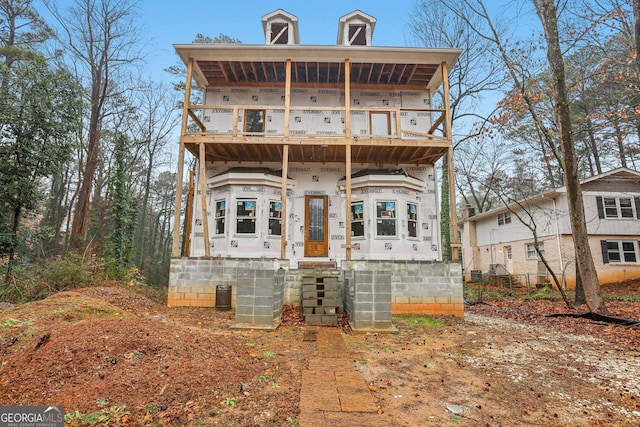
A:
<point x="111" y="355"/>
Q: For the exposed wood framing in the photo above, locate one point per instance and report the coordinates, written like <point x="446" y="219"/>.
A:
<point x="203" y="199"/>
<point x="285" y="163"/>
<point x="347" y="156"/>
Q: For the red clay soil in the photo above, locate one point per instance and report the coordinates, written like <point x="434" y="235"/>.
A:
<point x="113" y="356"/>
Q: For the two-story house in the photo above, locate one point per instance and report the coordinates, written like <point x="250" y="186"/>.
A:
<point x="315" y="165"/>
<point x="612" y="212"/>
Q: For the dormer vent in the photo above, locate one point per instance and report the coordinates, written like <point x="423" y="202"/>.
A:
<point x="280" y="27"/>
<point x="356" y="29"/>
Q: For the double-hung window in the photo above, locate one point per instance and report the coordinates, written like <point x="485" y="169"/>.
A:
<point x="246" y="216"/>
<point x="275" y="218"/>
<point x="221" y="214"/>
<point x="531" y="250"/>
<point x="412" y="220"/>
<point x="619" y="251"/>
<point x="504" y="218"/>
<point x="357" y="219"/>
<point x="386" y="218"/>
<point x="617" y="207"/>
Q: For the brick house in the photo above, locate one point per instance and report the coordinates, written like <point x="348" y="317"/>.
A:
<point x="315" y="174"/>
<point x="612" y="209"/>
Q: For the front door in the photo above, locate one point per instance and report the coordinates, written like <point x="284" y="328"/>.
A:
<point x="316" y="243"/>
<point x="508" y="259"/>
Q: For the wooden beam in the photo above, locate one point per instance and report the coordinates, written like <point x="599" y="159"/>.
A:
<point x="347" y="156"/>
<point x="283" y="201"/>
<point x="196" y="119"/>
<point x="287" y="98"/>
<point x="453" y="226"/>
<point x="348" y="201"/>
<point x="203" y="200"/>
<point x="436" y="124"/>
<point x="347" y="98"/>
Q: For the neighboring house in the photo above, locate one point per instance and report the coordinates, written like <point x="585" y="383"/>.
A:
<point x="315" y="181"/>
<point x="612" y="212"/>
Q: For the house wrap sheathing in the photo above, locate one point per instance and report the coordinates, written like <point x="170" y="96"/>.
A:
<point x="315" y="181"/>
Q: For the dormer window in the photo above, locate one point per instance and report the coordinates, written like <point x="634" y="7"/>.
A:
<point x="358" y="35"/>
<point x="356" y="29"/>
<point x="280" y="27"/>
<point x="279" y="33"/>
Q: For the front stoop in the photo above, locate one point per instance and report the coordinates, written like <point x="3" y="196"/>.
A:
<point x="321" y="296"/>
<point x="334" y="393"/>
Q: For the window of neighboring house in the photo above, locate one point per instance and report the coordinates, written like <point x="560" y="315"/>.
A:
<point x="275" y="218"/>
<point x="504" y="218"/>
<point x="614" y="251"/>
<point x="221" y="214"/>
<point x="412" y="220"/>
<point x="531" y="250"/>
<point x="386" y="218"/>
<point x="246" y="217"/>
<point x="357" y="219"/>
<point x="357" y="34"/>
<point x="254" y="121"/>
<point x="617" y="207"/>
<point x="279" y="33"/>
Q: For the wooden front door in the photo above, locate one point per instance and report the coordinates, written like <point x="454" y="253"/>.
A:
<point x="316" y="242"/>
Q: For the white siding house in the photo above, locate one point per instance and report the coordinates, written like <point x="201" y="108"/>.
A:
<point x="612" y="210"/>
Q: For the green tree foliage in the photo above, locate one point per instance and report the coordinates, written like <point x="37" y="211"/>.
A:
<point x="39" y="110"/>
<point x="121" y="213"/>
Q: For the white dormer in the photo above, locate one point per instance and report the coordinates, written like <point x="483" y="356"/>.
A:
<point x="280" y="27"/>
<point x="356" y="29"/>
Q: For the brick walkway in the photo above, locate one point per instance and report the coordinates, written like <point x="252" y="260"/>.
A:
<point x="333" y="392"/>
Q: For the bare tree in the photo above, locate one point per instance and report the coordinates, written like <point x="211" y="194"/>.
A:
<point x="102" y="39"/>
<point x="590" y="284"/>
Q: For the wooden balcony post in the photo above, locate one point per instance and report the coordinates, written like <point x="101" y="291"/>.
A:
<point x="347" y="156"/>
<point x="203" y="199"/>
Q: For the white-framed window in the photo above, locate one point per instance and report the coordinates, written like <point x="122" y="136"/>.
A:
<point x="246" y="216"/>
<point x="275" y="218"/>
<point x="357" y="219"/>
<point x="619" y="251"/>
<point x="504" y="218"/>
<point x="618" y="207"/>
<point x="412" y="220"/>
<point x="221" y="215"/>
<point x="531" y="250"/>
<point x="386" y="218"/>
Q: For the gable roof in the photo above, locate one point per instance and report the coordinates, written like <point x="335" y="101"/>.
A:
<point x="282" y="15"/>
<point x="353" y="16"/>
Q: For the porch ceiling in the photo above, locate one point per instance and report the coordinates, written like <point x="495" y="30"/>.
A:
<point x="394" y="67"/>
<point x="225" y="73"/>
<point x="372" y="151"/>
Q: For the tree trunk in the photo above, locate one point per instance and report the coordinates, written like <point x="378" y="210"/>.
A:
<point x="445" y="218"/>
<point x="548" y="15"/>
<point x="80" y="224"/>
<point x="593" y="145"/>
<point x="579" y="297"/>
<point x="619" y="142"/>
